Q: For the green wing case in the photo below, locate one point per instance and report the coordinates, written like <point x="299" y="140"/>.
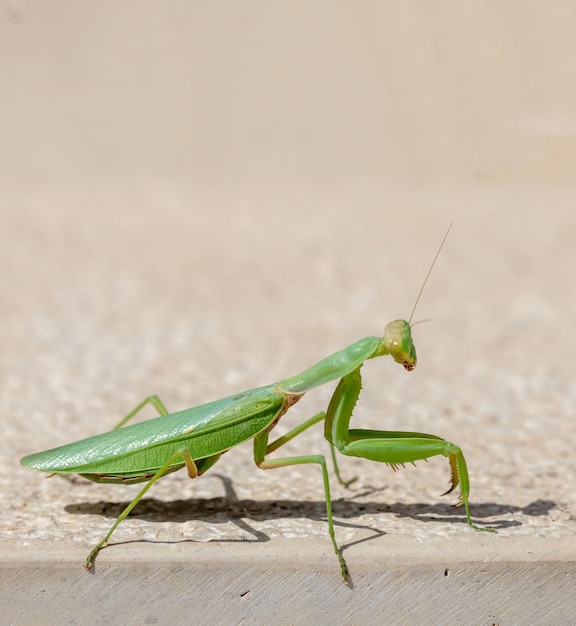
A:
<point x="206" y="430"/>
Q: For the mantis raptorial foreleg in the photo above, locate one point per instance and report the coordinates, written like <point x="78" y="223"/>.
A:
<point x="394" y="448"/>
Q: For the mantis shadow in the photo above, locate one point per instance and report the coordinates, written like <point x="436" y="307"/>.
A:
<point x="231" y="509"/>
<point x="220" y="510"/>
<point x="486" y="511"/>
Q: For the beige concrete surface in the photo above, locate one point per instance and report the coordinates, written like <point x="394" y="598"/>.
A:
<point x="203" y="198"/>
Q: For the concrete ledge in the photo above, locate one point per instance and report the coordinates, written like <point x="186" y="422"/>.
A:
<point x="395" y="581"/>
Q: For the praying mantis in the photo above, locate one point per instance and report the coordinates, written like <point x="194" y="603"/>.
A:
<point x="196" y="438"/>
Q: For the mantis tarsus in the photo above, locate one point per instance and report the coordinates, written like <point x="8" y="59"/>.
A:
<point x="196" y="438"/>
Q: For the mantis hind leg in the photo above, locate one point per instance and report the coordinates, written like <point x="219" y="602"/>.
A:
<point x="194" y="468"/>
<point x="153" y="400"/>
<point x="261" y="448"/>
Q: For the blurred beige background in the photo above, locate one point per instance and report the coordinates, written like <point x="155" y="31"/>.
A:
<point x="116" y="94"/>
<point x="201" y="198"/>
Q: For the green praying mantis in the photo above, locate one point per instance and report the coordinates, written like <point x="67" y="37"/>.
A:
<point x="197" y="437"/>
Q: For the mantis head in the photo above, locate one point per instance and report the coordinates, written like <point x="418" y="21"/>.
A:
<point x="398" y="343"/>
<point x="397" y="340"/>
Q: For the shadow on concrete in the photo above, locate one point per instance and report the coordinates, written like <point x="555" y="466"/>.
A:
<point x="231" y="509"/>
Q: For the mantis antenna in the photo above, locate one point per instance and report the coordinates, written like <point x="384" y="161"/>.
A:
<point x="428" y="274"/>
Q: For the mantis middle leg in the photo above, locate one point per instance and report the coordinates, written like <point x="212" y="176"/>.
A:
<point x="261" y="448"/>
